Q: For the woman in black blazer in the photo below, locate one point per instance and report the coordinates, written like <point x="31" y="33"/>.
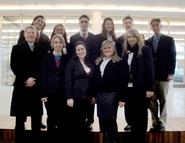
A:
<point x="110" y="84"/>
<point x="108" y="33"/>
<point x="140" y="85"/>
<point x="78" y="76"/>
<point x="53" y="71"/>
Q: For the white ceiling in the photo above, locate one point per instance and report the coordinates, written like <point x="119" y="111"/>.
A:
<point x="176" y="3"/>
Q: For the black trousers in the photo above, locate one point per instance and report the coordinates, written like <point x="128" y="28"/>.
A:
<point x="77" y="120"/>
<point x="20" y="134"/>
<point x="90" y="118"/>
<point x="109" y="129"/>
<point x="127" y="112"/>
<point x="138" y="114"/>
<point x="56" y="107"/>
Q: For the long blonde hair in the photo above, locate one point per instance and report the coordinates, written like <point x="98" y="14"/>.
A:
<point x="140" y="41"/>
<point x="106" y="43"/>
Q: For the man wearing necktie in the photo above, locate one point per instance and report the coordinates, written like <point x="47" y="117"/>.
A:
<point x="155" y="42"/>
<point x="164" y="57"/>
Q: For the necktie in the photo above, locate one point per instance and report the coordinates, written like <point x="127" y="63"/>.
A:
<point x="31" y="47"/>
<point x="155" y="43"/>
<point x="84" y="36"/>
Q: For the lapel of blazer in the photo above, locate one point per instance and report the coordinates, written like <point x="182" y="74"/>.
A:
<point x="160" y="44"/>
<point x="25" y="47"/>
<point x="53" y="63"/>
<point x="107" y="68"/>
<point x="151" y="45"/>
<point x="80" y="67"/>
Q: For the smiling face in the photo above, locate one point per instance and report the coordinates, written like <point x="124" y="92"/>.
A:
<point x="109" y="25"/>
<point x="127" y="24"/>
<point x="57" y="45"/>
<point x="131" y="39"/>
<point x="30" y="35"/>
<point x="59" y="30"/>
<point x="39" y="23"/>
<point x="108" y="51"/>
<point x="81" y="51"/>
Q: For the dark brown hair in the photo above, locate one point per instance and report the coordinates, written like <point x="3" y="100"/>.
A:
<point x="84" y="16"/>
<point x="53" y="32"/>
<point x="104" y="31"/>
<point x="75" y="57"/>
<point x="39" y="16"/>
<point x="158" y="20"/>
<point x="127" y="17"/>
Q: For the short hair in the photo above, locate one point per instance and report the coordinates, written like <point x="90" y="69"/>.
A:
<point x="158" y="20"/>
<point x="60" y="37"/>
<point x="128" y="17"/>
<point x="30" y="27"/>
<point x="84" y="16"/>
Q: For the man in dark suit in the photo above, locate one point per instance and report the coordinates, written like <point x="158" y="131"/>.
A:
<point x="90" y="40"/>
<point x="26" y="59"/>
<point x="164" y="56"/>
<point x="87" y="37"/>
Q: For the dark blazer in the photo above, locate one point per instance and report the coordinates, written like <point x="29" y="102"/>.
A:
<point x="99" y="40"/>
<point x="53" y="76"/>
<point x="164" y="58"/>
<point x="110" y="89"/>
<point x="143" y="71"/>
<point x="90" y="42"/>
<point x="114" y="79"/>
<point x="119" y="45"/>
<point x="24" y="64"/>
<point x="78" y="84"/>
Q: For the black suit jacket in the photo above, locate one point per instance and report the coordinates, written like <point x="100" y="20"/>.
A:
<point x="143" y="71"/>
<point x="24" y="64"/>
<point x="115" y="79"/>
<point x="78" y="84"/>
<point x="164" y="58"/>
<point x="99" y="40"/>
<point x="90" y="42"/>
<point x="119" y="45"/>
<point x="53" y="76"/>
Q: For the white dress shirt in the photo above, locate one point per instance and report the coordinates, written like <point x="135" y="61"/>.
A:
<point x="103" y="65"/>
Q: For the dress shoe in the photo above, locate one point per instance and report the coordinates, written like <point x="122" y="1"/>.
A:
<point x="42" y="126"/>
<point x="127" y="128"/>
<point x="157" y="128"/>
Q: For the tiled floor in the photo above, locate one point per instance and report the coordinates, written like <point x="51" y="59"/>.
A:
<point x="175" y="109"/>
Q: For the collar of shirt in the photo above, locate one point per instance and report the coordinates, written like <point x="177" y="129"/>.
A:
<point x="157" y="36"/>
<point x="82" y="33"/>
<point x="31" y="44"/>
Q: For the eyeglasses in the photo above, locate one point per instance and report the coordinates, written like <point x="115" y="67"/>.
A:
<point x="84" y="21"/>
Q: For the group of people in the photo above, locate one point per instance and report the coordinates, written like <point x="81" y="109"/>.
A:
<point x="70" y="77"/>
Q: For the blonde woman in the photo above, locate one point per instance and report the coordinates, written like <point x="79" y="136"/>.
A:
<point x="109" y="81"/>
<point x="140" y="84"/>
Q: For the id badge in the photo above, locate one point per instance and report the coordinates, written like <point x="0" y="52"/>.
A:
<point x="130" y="84"/>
